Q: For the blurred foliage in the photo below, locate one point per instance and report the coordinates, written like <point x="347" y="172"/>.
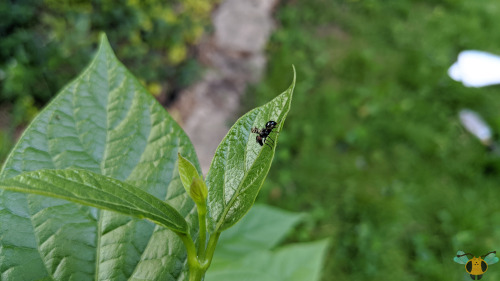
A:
<point x="46" y="43"/>
<point x="373" y="148"/>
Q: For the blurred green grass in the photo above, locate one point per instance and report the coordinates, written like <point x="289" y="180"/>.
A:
<point x="372" y="147"/>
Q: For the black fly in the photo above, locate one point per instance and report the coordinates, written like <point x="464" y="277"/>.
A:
<point x="263" y="134"/>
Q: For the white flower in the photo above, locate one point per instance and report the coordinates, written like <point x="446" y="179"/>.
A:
<point x="476" y="69"/>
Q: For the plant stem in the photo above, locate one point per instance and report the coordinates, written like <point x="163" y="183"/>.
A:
<point x="195" y="269"/>
<point x="212" y="243"/>
<point x="202" y="236"/>
<point x="195" y="275"/>
<point x="200" y="259"/>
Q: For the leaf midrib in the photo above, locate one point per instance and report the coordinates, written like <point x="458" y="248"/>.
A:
<point x="101" y="168"/>
<point x="220" y="222"/>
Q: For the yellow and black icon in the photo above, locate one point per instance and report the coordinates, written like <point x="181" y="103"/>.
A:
<point x="476" y="267"/>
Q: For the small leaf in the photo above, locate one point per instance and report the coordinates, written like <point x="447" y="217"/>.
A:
<point x="192" y="181"/>
<point x="240" y="164"/>
<point x="198" y="191"/>
<point x="187" y="171"/>
<point x="99" y="191"/>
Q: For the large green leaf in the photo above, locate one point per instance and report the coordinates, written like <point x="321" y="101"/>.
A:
<point x="246" y="251"/>
<point x="296" y="262"/>
<point x="240" y="164"/>
<point x="105" y="122"/>
<point x="84" y="187"/>
<point x="261" y="229"/>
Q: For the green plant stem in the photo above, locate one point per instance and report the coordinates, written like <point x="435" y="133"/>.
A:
<point x="195" y="275"/>
<point x="199" y="261"/>
<point x="212" y="243"/>
<point x="195" y="269"/>
<point x="202" y="236"/>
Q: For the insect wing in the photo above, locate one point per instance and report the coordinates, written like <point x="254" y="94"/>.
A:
<point x="491" y="258"/>
<point x="462" y="259"/>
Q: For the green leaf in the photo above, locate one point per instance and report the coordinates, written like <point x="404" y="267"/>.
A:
<point x="240" y="164"/>
<point x="107" y="123"/>
<point x="87" y="188"/>
<point x="297" y="262"/>
<point x="261" y="229"/>
<point x="244" y="253"/>
<point x="192" y="181"/>
<point x="198" y="191"/>
<point x="187" y="172"/>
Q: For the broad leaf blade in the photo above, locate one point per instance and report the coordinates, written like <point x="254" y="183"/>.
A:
<point x="261" y="229"/>
<point x="248" y="251"/>
<point x="302" y="261"/>
<point x="296" y="262"/>
<point x="105" y="122"/>
<point x="240" y="164"/>
<point x="87" y="188"/>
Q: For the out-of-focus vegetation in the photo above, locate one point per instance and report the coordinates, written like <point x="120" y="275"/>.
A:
<point x="373" y="148"/>
<point x="46" y="43"/>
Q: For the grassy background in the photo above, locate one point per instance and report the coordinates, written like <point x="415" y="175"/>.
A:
<point x="373" y="148"/>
